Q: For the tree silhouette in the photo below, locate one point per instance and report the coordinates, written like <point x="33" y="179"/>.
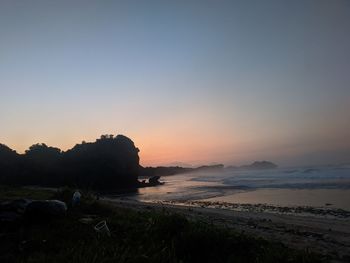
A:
<point x="109" y="163"/>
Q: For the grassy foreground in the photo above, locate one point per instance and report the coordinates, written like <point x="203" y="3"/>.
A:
<point x="135" y="237"/>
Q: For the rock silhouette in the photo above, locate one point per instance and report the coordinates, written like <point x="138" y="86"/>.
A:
<point x="109" y="163"/>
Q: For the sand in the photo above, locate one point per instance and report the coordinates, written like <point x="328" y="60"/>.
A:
<point x="329" y="236"/>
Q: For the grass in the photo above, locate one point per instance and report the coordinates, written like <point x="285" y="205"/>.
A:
<point x="11" y="193"/>
<point x="135" y="237"/>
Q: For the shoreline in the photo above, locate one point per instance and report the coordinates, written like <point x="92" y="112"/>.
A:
<point x="306" y="211"/>
<point x="326" y="236"/>
<point x="134" y="232"/>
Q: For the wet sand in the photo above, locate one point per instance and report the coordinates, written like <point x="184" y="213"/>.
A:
<point x="331" y="198"/>
<point x="326" y="235"/>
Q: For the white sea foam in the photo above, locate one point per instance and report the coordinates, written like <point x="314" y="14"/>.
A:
<point x="327" y="186"/>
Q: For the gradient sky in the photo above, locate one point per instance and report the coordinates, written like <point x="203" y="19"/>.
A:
<point x="189" y="81"/>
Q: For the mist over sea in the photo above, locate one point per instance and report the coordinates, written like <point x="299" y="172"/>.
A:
<point x="321" y="186"/>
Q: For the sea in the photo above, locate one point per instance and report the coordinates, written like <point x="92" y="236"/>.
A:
<point x="316" y="186"/>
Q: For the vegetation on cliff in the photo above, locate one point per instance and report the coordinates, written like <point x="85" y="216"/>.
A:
<point x="109" y="163"/>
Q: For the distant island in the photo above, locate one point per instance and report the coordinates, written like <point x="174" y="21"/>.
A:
<point x="257" y="165"/>
<point x="173" y="170"/>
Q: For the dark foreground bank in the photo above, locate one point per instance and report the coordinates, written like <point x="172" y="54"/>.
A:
<point x="135" y="236"/>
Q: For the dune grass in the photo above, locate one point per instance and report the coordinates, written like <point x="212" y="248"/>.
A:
<point x="135" y="237"/>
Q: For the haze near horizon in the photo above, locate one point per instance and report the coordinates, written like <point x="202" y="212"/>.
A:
<point x="188" y="81"/>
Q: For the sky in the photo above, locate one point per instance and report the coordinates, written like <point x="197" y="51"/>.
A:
<point x="196" y="82"/>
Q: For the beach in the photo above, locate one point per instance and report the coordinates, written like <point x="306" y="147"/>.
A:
<point x="302" y="207"/>
<point x="319" y="186"/>
<point x="328" y="236"/>
<point x="135" y="231"/>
